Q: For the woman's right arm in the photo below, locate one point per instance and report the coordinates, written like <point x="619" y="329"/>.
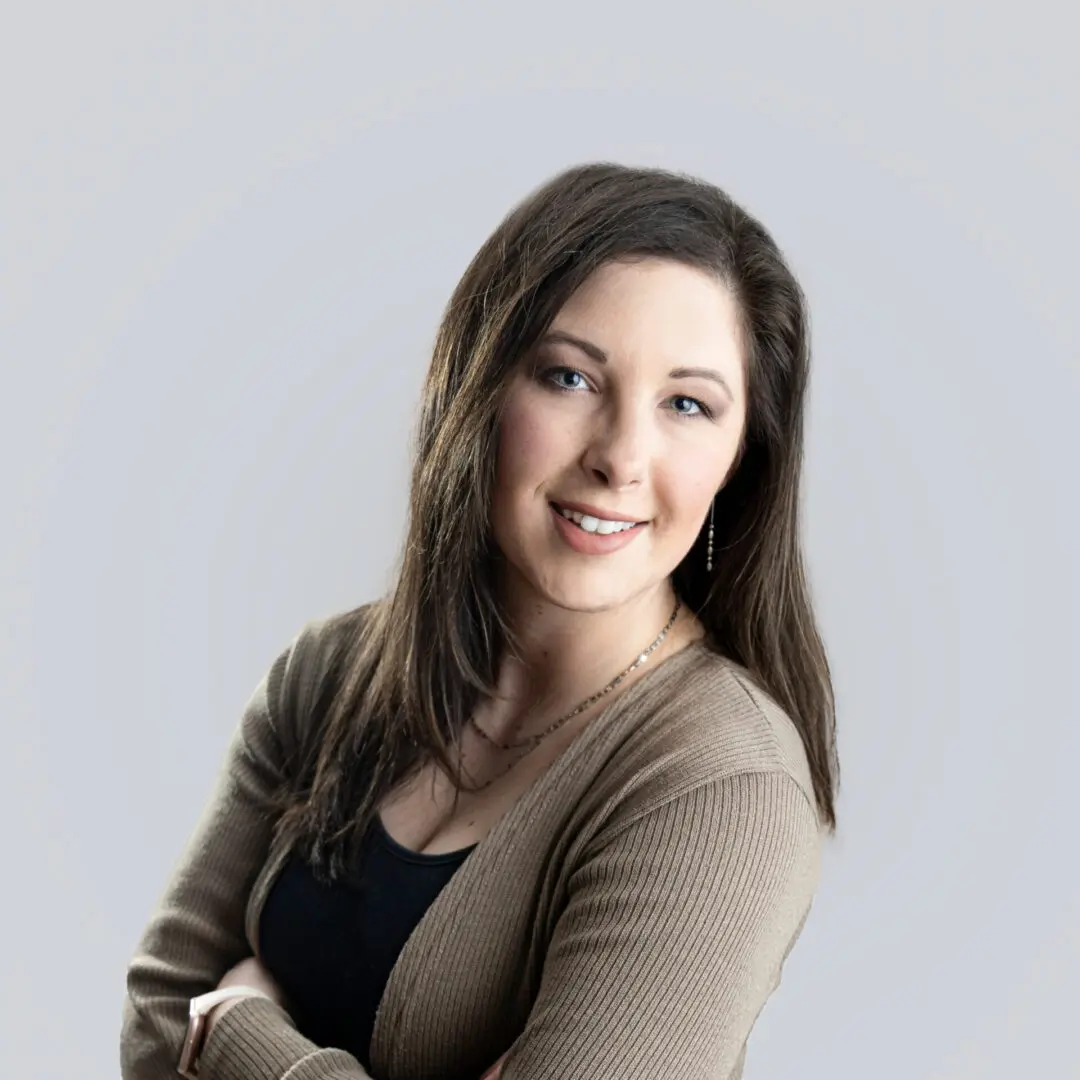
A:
<point x="197" y="932"/>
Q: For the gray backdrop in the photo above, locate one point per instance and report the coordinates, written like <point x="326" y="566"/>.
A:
<point x="226" y="235"/>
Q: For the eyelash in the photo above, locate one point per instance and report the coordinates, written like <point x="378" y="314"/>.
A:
<point x="546" y="376"/>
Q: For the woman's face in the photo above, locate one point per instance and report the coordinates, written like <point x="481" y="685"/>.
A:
<point x="633" y="404"/>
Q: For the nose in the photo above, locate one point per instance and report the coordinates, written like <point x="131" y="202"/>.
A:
<point x="618" y="449"/>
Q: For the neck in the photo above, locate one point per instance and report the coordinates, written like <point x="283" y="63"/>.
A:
<point x="564" y="656"/>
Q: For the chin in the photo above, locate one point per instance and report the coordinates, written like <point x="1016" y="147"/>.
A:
<point x="586" y="594"/>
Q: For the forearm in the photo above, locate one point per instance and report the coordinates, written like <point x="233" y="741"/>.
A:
<point x="255" y="1039"/>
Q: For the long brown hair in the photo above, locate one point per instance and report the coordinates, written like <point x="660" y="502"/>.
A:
<point x="413" y="665"/>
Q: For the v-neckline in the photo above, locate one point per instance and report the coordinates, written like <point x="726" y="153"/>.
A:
<point x="398" y="990"/>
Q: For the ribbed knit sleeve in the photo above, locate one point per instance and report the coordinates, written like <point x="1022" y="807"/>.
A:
<point x="255" y="1040"/>
<point x="196" y="932"/>
<point x="673" y="937"/>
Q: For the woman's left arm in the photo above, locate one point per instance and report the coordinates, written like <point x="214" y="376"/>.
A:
<point x="676" y="928"/>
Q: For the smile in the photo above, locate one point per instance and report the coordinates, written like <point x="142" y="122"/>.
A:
<point x="589" y="535"/>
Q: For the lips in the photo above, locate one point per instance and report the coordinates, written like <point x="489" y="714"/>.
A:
<point x="587" y="543"/>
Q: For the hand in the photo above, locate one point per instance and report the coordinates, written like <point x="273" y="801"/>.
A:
<point x="249" y="972"/>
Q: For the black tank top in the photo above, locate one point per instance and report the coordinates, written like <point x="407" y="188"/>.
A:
<point x="332" y="948"/>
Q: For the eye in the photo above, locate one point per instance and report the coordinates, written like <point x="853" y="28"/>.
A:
<point x="702" y="408"/>
<point x="551" y="376"/>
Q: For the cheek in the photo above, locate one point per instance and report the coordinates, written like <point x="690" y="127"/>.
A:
<point x="530" y="446"/>
<point x="528" y="456"/>
<point x="687" y="489"/>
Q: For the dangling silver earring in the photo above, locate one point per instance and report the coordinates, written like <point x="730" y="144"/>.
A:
<point x="708" y="558"/>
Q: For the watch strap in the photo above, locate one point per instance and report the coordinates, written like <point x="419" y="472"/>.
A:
<point x="200" y="1006"/>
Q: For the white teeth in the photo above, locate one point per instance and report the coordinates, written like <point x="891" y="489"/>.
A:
<point x="596" y="525"/>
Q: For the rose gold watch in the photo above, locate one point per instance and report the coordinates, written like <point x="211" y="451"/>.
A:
<point x="188" y="1065"/>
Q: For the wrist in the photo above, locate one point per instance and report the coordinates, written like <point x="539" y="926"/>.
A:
<point x="205" y="1010"/>
<point x="219" y="1010"/>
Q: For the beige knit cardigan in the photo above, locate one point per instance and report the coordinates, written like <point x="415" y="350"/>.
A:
<point x="627" y="918"/>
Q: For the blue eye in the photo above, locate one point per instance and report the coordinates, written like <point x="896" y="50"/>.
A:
<point x="551" y="375"/>
<point x="703" y="409"/>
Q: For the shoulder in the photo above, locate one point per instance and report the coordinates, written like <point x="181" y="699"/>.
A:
<point x="311" y="666"/>
<point x="322" y="639"/>
<point x="704" y="721"/>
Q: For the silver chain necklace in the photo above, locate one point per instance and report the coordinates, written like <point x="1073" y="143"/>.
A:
<point x="533" y="741"/>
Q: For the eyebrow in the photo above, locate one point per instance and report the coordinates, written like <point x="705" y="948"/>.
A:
<point x="596" y="353"/>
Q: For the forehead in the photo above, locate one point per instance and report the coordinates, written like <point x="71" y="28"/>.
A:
<point x="656" y="309"/>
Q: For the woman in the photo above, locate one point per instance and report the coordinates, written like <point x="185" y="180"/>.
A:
<point x="554" y="806"/>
